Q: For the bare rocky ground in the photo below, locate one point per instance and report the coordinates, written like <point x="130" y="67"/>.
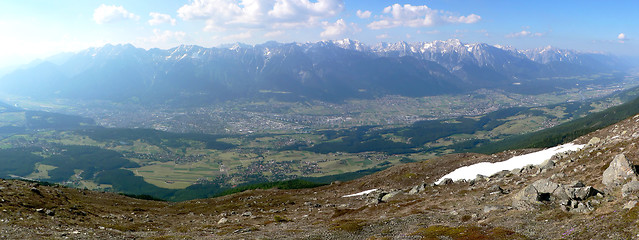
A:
<point x="562" y="199"/>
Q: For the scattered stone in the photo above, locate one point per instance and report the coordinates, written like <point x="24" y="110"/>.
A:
<point x="375" y="197"/>
<point x="630" y="188"/>
<point x="247" y="214"/>
<point x="580" y="193"/>
<point x="547" y="165"/>
<point x="630" y="204"/>
<point x="472" y="182"/>
<point x="50" y="212"/>
<point x="388" y="196"/>
<point x="582" y="207"/>
<point x="222" y="220"/>
<point x="500" y="174"/>
<point x="619" y="170"/>
<point x="488" y="209"/>
<point x="480" y="178"/>
<point x="558" y="175"/>
<point x="446" y="181"/>
<point x="593" y="141"/>
<point x="417" y="189"/>
<point x="496" y="189"/>
<point x="577" y="184"/>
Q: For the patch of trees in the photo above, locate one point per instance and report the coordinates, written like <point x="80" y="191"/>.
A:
<point x="90" y="159"/>
<point x="363" y="139"/>
<point x="18" y="161"/>
<point x="343" y="176"/>
<point x="125" y="181"/>
<point x="57" y="121"/>
<point x="155" y="137"/>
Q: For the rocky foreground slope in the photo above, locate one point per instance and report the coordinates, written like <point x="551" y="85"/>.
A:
<point x="588" y="194"/>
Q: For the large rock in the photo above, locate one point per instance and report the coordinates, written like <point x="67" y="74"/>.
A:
<point x="375" y="197"/>
<point x="545" y="186"/>
<point x="571" y="196"/>
<point x="630" y="189"/>
<point x="580" y="193"/>
<point x="619" y="170"/>
<point x="526" y="199"/>
<point x="547" y="165"/>
<point x="417" y="189"/>
<point x="388" y="196"/>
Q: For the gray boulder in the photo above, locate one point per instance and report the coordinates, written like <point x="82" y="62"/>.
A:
<point x="526" y="199"/>
<point x="375" y="197"/>
<point x="619" y="170"/>
<point x="545" y="186"/>
<point x="497" y="189"/>
<point x="631" y="188"/>
<point x="594" y="141"/>
<point x="580" y="193"/>
<point x="417" y="189"/>
<point x="388" y="196"/>
<point x="547" y="165"/>
<point x="446" y="181"/>
<point x="630" y="205"/>
<point x="570" y="196"/>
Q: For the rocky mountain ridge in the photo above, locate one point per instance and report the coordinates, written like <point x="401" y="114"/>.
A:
<point x="325" y="70"/>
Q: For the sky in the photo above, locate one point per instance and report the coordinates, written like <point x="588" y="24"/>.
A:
<point x="31" y="29"/>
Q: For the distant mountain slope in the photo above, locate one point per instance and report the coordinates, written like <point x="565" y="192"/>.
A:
<point x="326" y="70"/>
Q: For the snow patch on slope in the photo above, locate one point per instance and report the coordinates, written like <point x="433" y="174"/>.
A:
<point x="360" y="193"/>
<point x="488" y="169"/>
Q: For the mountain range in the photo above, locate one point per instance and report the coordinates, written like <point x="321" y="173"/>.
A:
<point x="325" y="70"/>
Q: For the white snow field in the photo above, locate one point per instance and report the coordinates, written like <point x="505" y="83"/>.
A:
<point x="488" y="169"/>
<point x="360" y="193"/>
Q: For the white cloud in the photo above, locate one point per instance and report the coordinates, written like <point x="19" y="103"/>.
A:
<point x="622" y="37"/>
<point x="106" y="14"/>
<point x="382" y="36"/>
<point x="524" y="33"/>
<point x="275" y="14"/>
<point x="364" y="14"/>
<point x="339" y="28"/>
<point x="159" y="18"/>
<point x="418" y="16"/>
